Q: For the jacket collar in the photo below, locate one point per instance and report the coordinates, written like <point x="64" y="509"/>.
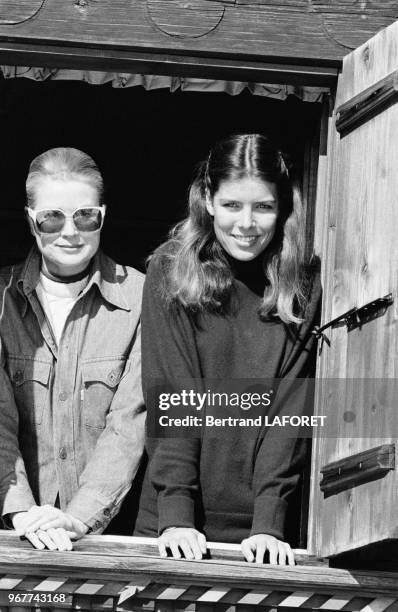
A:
<point x="29" y="277"/>
<point x="103" y="274"/>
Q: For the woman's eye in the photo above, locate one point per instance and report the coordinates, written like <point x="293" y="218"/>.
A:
<point x="231" y="205"/>
<point x="265" y="206"/>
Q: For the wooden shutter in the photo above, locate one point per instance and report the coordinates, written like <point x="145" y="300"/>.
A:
<point x="354" y="479"/>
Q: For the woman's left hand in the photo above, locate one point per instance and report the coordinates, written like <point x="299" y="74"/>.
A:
<point x="47" y="517"/>
<point x="255" y="547"/>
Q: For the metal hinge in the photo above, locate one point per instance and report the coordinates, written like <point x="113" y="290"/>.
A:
<point x="367" y="104"/>
<point x="352" y="471"/>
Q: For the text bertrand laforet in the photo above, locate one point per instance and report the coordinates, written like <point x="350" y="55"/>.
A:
<point x="245" y="401"/>
<point x="275" y="421"/>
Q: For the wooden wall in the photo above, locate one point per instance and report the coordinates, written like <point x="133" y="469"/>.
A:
<point x="316" y="32"/>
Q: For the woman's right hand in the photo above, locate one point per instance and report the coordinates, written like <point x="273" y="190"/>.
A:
<point x="189" y="541"/>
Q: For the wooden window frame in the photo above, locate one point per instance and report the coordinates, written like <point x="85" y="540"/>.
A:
<point x="152" y="61"/>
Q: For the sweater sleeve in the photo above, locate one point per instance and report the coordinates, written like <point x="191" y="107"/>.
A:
<point x="169" y="356"/>
<point x="280" y="457"/>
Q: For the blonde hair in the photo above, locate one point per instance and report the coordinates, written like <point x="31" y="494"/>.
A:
<point x="63" y="163"/>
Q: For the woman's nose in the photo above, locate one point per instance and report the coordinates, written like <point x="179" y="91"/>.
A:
<point x="246" y="220"/>
<point x="69" y="228"/>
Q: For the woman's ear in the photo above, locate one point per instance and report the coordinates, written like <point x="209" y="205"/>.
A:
<point x="209" y="206"/>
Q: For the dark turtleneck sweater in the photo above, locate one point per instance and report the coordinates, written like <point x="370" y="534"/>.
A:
<point x="238" y="483"/>
<point x="250" y="273"/>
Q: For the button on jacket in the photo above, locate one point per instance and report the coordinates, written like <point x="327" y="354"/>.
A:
<point x="71" y="416"/>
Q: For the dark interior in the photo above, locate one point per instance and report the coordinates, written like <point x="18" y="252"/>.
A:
<point x="147" y="145"/>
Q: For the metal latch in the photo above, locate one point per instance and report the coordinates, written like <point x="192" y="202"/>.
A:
<point x="356" y="317"/>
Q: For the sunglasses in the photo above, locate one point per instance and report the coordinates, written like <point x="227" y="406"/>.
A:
<point x="52" y="220"/>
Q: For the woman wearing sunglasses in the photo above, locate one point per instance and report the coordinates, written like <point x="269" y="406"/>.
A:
<point x="228" y="297"/>
<point x="72" y="420"/>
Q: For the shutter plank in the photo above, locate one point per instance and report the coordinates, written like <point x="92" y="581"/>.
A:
<point x="360" y="254"/>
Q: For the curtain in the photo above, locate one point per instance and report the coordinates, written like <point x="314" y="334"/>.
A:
<point x="120" y="80"/>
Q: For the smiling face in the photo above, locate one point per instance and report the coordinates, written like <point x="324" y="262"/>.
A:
<point x="245" y="213"/>
<point x="69" y="251"/>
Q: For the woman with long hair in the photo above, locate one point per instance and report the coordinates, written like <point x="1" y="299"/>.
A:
<point x="229" y="296"/>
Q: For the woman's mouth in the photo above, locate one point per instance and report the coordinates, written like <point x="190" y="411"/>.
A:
<point x="70" y="247"/>
<point x="245" y="240"/>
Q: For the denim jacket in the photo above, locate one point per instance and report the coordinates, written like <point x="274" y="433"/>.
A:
<point x="71" y="416"/>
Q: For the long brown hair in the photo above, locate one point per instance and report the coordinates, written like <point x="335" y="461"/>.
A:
<point x="198" y="274"/>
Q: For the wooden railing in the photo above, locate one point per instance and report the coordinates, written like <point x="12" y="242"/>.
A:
<point x="121" y="573"/>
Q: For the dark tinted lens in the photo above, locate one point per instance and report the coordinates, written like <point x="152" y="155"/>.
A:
<point x="88" y="219"/>
<point x="50" y="221"/>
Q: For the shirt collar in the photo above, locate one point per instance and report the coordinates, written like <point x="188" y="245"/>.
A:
<point x="103" y="274"/>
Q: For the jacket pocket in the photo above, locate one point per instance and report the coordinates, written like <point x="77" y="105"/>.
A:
<point x="100" y="382"/>
<point x="31" y="383"/>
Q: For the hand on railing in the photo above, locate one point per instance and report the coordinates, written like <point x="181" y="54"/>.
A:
<point x="48" y="527"/>
<point x="189" y="541"/>
<point x="255" y="547"/>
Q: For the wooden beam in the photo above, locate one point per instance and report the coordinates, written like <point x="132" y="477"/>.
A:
<point x="154" y="62"/>
<point x="124" y="546"/>
<point x="21" y="560"/>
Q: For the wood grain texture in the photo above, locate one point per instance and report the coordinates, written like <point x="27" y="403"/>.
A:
<point x="14" y="12"/>
<point x="185" y="19"/>
<point x="281" y="30"/>
<point x="160" y="63"/>
<point x="366" y="105"/>
<point x="140" y="569"/>
<point x="388" y="7"/>
<point x="358" y="389"/>
<point x="124" y="546"/>
<point x="348" y="30"/>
